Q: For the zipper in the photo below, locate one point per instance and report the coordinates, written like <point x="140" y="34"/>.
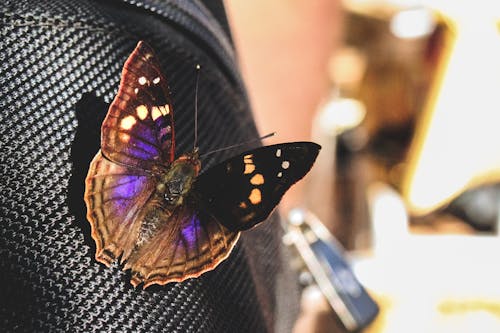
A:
<point x="198" y="20"/>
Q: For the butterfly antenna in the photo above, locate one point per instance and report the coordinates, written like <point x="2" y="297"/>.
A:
<point x="198" y="67"/>
<point x="239" y="144"/>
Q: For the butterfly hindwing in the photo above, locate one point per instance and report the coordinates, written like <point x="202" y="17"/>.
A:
<point x="186" y="245"/>
<point x="159" y="243"/>
<point x="245" y="189"/>
<point x="115" y="196"/>
<point x="139" y="128"/>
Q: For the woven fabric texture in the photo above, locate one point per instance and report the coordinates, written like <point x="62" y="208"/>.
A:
<point x="60" y="68"/>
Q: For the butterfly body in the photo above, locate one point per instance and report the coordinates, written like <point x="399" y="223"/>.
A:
<point x="157" y="214"/>
<point x="173" y="184"/>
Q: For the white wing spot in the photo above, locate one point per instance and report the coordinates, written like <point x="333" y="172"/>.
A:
<point x="142" y="80"/>
<point x="156" y="80"/>
<point x="164" y="109"/>
<point x="142" y="112"/>
<point x="280" y="174"/>
<point x="278" y="152"/>
<point x="285" y="164"/>
<point x="136" y="91"/>
<point x="155" y="113"/>
<point x="128" y="122"/>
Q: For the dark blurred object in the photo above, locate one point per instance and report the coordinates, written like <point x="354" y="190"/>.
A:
<point x="353" y="174"/>
<point x="324" y="265"/>
<point x="478" y="207"/>
<point x="474" y="211"/>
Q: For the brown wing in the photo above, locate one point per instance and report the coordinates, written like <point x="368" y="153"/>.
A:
<point x="115" y="195"/>
<point x="187" y="246"/>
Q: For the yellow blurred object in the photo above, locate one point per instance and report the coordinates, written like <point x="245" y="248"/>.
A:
<point x="456" y="142"/>
<point x="340" y="114"/>
<point x="428" y="283"/>
<point x="413" y="23"/>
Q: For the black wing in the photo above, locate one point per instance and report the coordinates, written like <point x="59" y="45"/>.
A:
<point x="245" y="189"/>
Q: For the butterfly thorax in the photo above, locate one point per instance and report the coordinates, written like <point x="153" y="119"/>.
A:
<point x="176" y="182"/>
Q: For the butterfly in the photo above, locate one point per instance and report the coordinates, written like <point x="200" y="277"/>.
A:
<point x="155" y="213"/>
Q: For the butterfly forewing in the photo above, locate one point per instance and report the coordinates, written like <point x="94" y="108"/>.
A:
<point x="245" y="189"/>
<point x="139" y="129"/>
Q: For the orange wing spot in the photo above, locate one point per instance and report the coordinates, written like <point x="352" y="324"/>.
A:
<point x="142" y="112"/>
<point x="247" y="218"/>
<point x="248" y="158"/>
<point x="128" y="122"/>
<point x="243" y="205"/>
<point x="155" y="112"/>
<point x="249" y="168"/>
<point x="124" y="137"/>
<point x="255" y="196"/>
<point x="258" y="179"/>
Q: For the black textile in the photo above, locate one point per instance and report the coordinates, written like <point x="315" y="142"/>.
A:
<point x="60" y="68"/>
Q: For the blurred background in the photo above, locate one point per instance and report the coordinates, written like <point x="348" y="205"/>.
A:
<point x="404" y="97"/>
